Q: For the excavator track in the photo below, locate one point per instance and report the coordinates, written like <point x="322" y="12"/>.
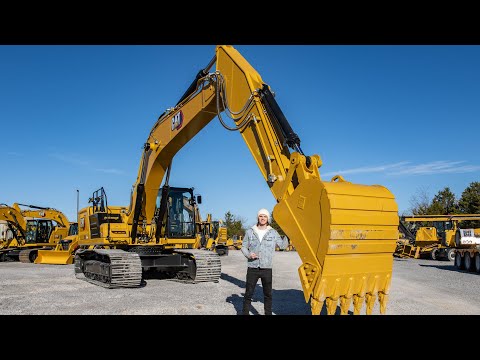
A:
<point x="28" y="255"/>
<point x="4" y="255"/>
<point x="124" y="269"/>
<point x="208" y="266"/>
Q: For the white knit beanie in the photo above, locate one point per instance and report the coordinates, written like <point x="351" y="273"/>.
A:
<point x="264" y="212"/>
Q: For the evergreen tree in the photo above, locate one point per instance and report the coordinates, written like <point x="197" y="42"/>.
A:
<point x="469" y="203"/>
<point x="235" y="225"/>
<point x="443" y="203"/>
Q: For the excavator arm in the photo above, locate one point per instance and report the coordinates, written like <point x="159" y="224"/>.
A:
<point x="16" y="222"/>
<point x="45" y="213"/>
<point x="344" y="233"/>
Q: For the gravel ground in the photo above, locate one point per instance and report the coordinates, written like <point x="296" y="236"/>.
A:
<point x="418" y="287"/>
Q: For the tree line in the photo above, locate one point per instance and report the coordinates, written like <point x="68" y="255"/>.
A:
<point x="445" y="202"/>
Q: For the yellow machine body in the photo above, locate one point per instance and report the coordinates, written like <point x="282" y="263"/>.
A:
<point x="16" y="223"/>
<point x="435" y="235"/>
<point x="63" y="254"/>
<point x="237" y="242"/>
<point x="426" y="235"/>
<point x="212" y="235"/>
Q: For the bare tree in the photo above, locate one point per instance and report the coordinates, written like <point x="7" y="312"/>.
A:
<point x="420" y="202"/>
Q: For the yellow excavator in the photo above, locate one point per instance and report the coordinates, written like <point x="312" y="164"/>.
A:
<point x="56" y="226"/>
<point x="344" y="233"/>
<point x="37" y="228"/>
<point x="16" y="225"/>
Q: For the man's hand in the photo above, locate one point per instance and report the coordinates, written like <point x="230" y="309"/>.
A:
<point x="253" y="256"/>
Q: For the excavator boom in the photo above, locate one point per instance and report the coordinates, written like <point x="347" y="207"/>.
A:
<point x="344" y="233"/>
<point x="44" y="212"/>
<point x="15" y="222"/>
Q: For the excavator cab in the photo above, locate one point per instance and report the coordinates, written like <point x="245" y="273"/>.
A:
<point x="73" y="229"/>
<point x="38" y="231"/>
<point x="180" y="213"/>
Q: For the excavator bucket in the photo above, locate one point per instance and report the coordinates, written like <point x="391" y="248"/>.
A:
<point x="347" y="256"/>
<point x="63" y="253"/>
<point x="54" y="257"/>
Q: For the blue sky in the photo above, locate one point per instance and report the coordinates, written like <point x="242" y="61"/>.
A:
<point x="76" y="117"/>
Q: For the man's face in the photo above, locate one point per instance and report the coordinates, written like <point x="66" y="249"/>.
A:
<point x="262" y="219"/>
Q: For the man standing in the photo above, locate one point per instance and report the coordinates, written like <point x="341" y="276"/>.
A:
<point x="258" y="247"/>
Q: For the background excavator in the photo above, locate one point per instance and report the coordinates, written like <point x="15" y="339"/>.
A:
<point x="16" y="225"/>
<point x="5" y="233"/>
<point x="344" y="233"/>
<point x="34" y="228"/>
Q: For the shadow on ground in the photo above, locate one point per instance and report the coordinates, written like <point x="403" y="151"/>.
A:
<point x="449" y="268"/>
<point x="285" y="302"/>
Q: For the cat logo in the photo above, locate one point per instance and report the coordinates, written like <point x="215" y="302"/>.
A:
<point x="177" y="120"/>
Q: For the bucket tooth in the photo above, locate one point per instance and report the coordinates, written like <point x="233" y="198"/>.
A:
<point x="316" y="306"/>
<point x="331" y="305"/>
<point x="345" y="304"/>
<point x="382" y="299"/>
<point x="370" y="302"/>
<point x="357" y="304"/>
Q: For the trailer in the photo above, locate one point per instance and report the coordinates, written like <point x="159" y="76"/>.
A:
<point x="467" y="257"/>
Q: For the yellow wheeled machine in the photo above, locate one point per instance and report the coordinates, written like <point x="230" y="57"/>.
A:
<point x="434" y="238"/>
<point x="344" y="233"/>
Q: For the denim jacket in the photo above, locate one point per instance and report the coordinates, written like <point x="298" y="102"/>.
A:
<point x="264" y="249"/>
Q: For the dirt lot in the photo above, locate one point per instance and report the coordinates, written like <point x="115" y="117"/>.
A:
<point x="418" y="287"/>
